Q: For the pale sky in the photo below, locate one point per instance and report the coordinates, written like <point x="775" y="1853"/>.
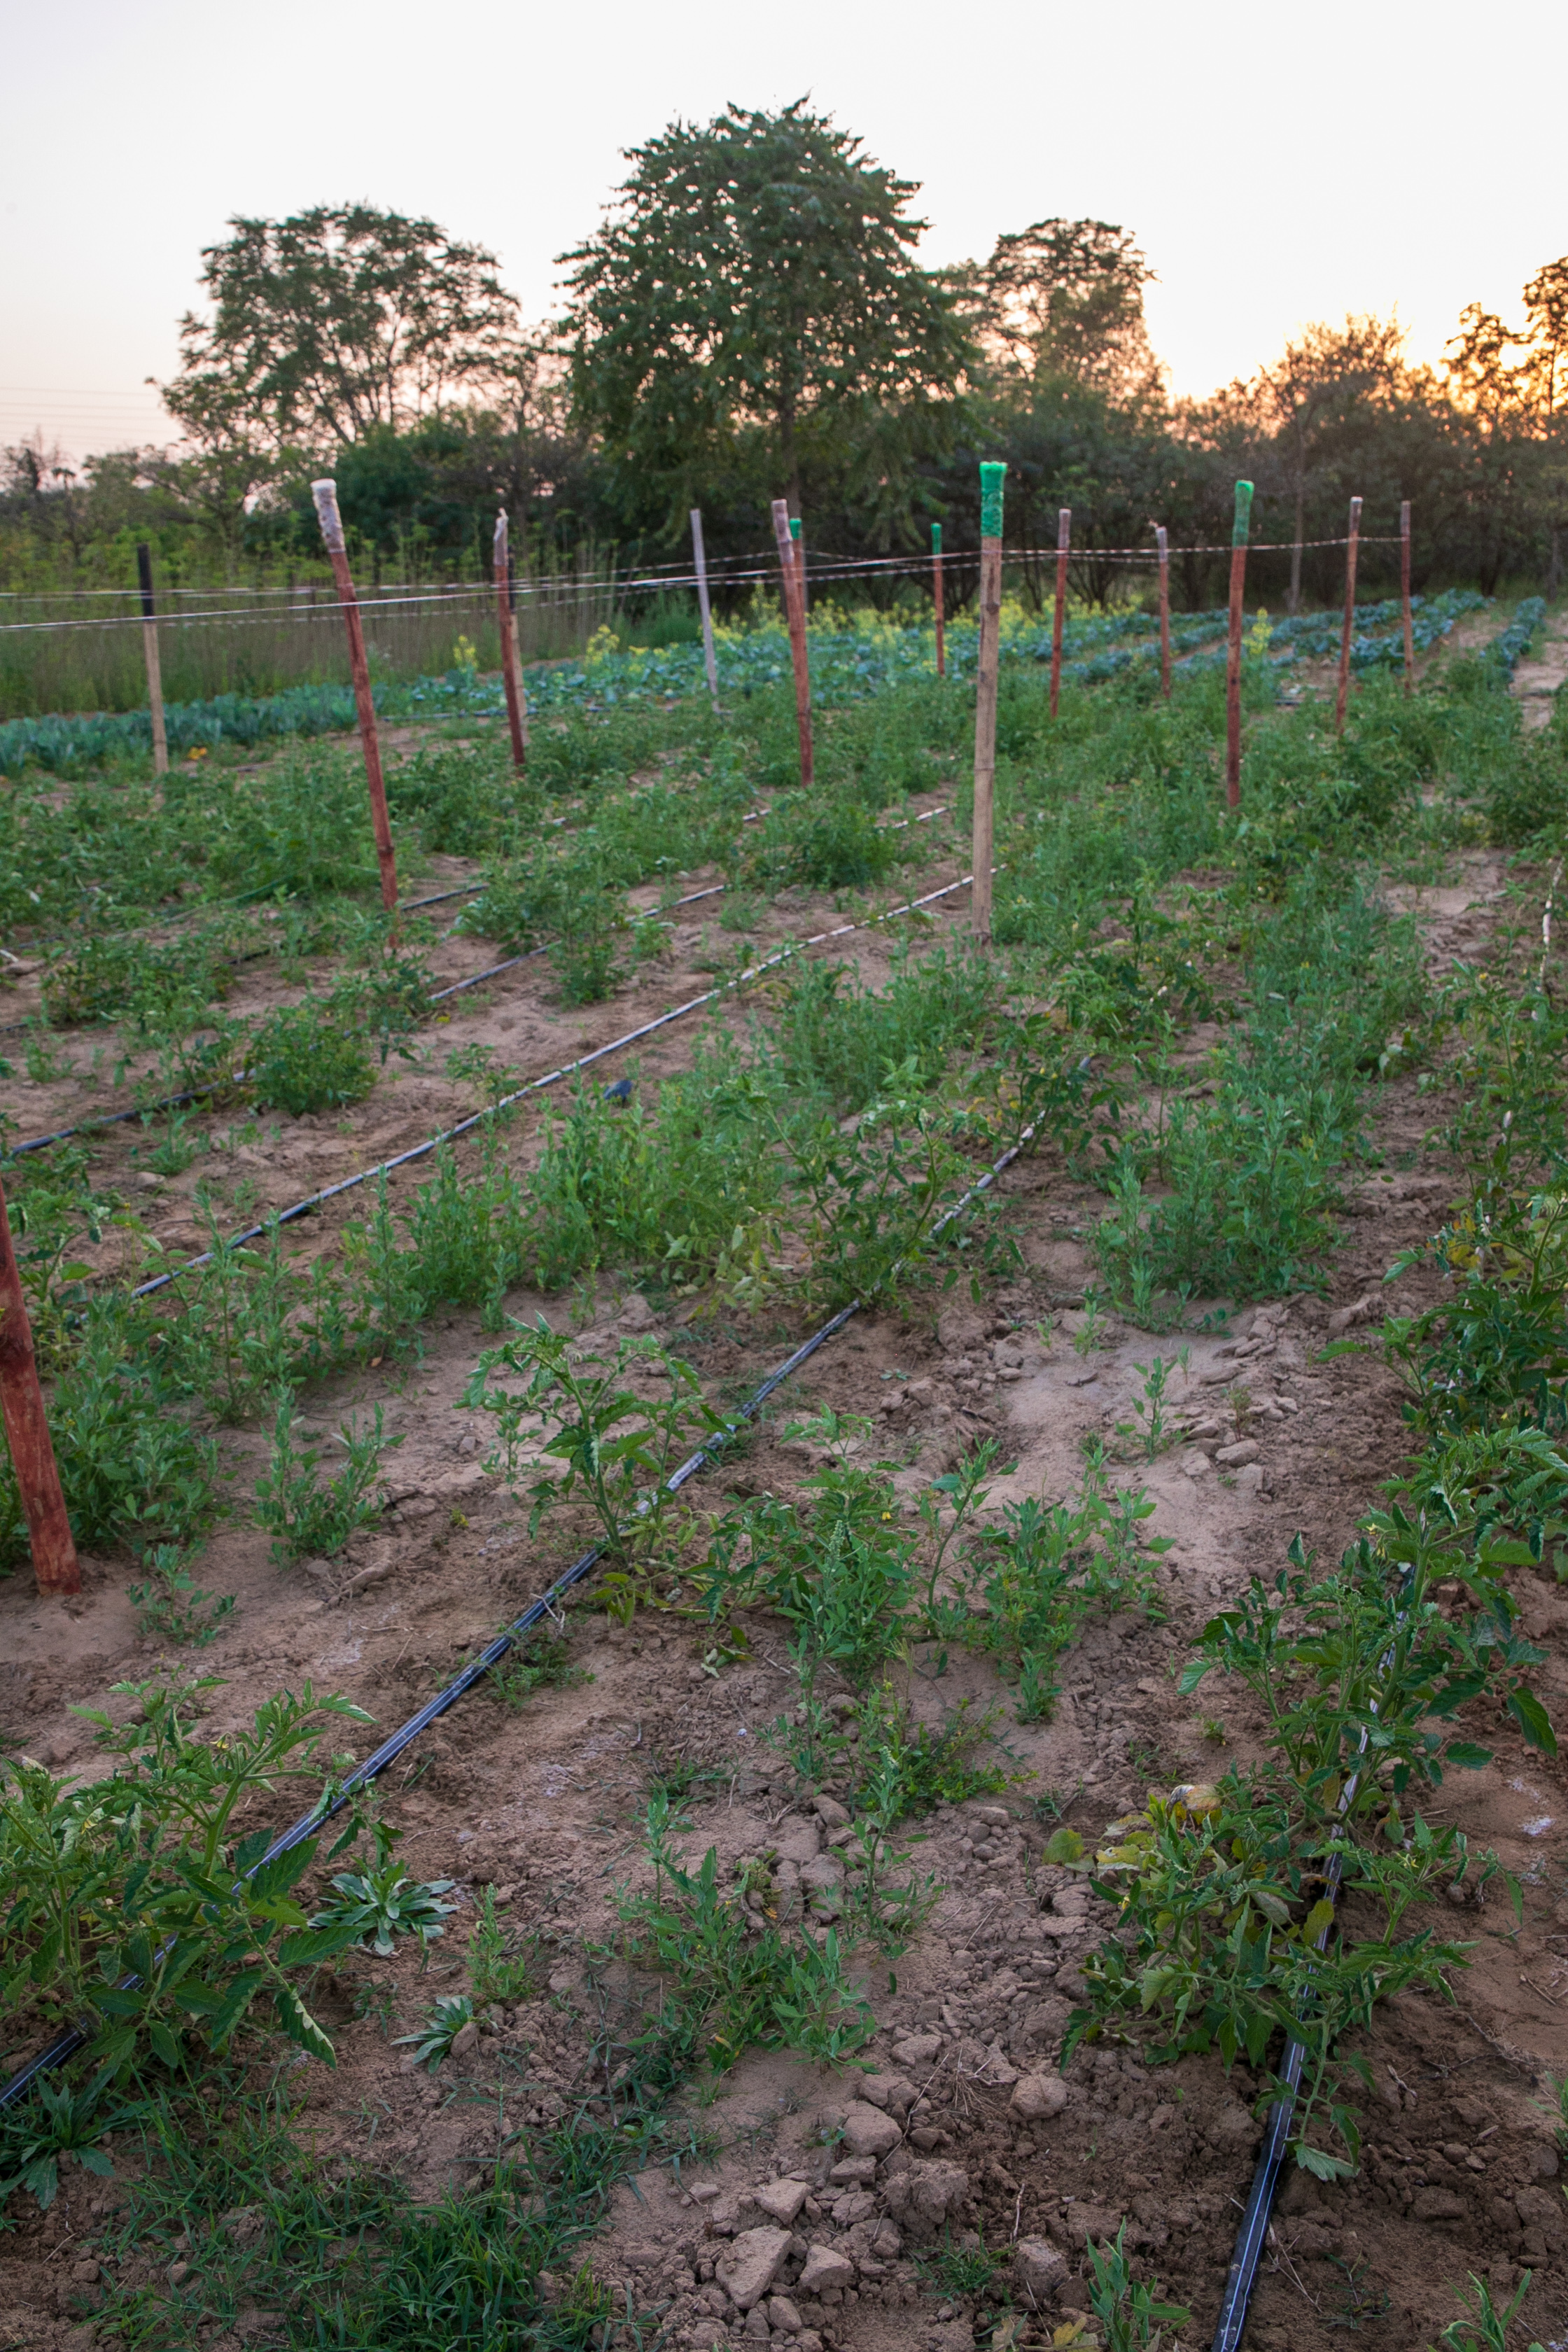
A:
<point x="1276" y="163"/>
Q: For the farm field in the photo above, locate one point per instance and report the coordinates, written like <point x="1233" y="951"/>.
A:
<point x="799" y="1937"/>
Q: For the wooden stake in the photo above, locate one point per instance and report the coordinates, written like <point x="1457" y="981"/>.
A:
<point x="936" y="595"/>
<point x="992" y="479"/>
<point x="1404" y="594"/>
<point x="1064" y="541"/>
<point x="794" y="611"/>
<point x="1233" y="649"/>
<point x="710" y="659"/>
<point x="1344" y="685"/>
<point x="155" y="668"/>
<point x="1160" y="542"/>
<point x="508" y="661"/>
<point x="55" y="1565"/>
<point x="516" y="646"/>
<point x="325" y="494"/>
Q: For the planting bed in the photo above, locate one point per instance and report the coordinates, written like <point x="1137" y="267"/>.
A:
<point x="820" y="2097"/>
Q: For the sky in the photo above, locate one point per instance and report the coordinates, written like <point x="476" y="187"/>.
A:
<point x="1277" y="164"/>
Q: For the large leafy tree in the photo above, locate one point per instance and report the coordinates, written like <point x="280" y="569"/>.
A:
<point x="1063" y="301"/>
<point x="334" y="321"/>
<point x="753" y="299"/>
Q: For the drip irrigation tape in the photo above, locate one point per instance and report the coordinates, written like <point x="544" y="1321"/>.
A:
<point x="77" y="2037"/>
<point x="551" y="1078"/>
<point x="175" y="1102"/>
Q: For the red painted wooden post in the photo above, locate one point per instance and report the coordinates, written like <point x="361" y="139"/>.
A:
<point x="1233" y="648"/>
<point x="509" y="662"/>
<point x="794" y="612"/>
<point x="936" y="595"/>
<point x="55" y="1564"/>
<point x="1064" y="541"/>
<point x="1160" y="541"/>
<point x="325" y="494"/>
<point x="1404" y="594"/>
<point x="992" y="477"/>
<point x="1349" y="624"/>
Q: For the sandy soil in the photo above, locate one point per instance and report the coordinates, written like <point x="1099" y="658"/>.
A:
<point x="964" y="2127"/>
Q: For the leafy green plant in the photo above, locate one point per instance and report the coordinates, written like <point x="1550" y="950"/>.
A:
<point x="134" y="1901"/>
<point x="958" y="2270"/>
<point x="499" y="1969"/>
<point x="1151" y="1428"/>
<point x="618" y="1446"/>
<point x="309" y="1057"/>
<point x="172" y="1607"/>
<point x="1128" y="2309"/>
<point x="730" y="1983"/>
<point x="305" y="1515"/>
<point x="374" y="1907"/>
<point x="1486" y="2330"/>
<point x="59" y="2124"/>
<point x="444" y="2020"/>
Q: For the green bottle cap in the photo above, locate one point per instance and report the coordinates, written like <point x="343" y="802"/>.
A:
<point x="1243" y="514"/>
<point x="992" y="476"/>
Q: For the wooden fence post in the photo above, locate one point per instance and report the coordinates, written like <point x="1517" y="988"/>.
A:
<point x="325" y="494"/>
<point x="1404" y="594"/>
<point x="1161" y="543"/>
<point x="992" y="479"/>
<point x="1345" y="632"/>
<point x="509" y="662"/>
<point x="508" y="643"/>
<point x="794" y="610"/>
<point x="154" y="668"/>
<point x="936" y="597"/>
<point x="516" y="646"/>
<point x="710" y="658"/>
<point x="55" y="1564"/>
<point x="1233" y="648"/>
<point x="1064" y="541"/>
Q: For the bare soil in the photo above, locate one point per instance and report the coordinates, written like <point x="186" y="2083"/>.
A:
<point x="1460" y="2169"/>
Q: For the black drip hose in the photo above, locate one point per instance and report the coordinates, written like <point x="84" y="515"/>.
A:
<point x="75" y="2038"/>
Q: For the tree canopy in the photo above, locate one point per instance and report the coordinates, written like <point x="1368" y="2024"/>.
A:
<point x="336" y="321"/>
<point x="753" y="281"/>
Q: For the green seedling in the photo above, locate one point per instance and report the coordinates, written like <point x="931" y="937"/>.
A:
<point x="307" y="1517"/>
<point x="172" y="1607"/>
<point x="498" y="1969"/>
<point x="1487" y="2330"/>
<point x="1151" y="1428"/>
<point x="60" y="2125"/>
<point x="1128" y="2309"/>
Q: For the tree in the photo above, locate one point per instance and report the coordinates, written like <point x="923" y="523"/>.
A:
<point x="1064" y="300"/>
<point x="335" y="320"/>
<point x="754" y="280"/>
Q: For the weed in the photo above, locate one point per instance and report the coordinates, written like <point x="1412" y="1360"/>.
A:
<point x="1130" y="2312"/>
<point x="131" y="1900"/>
<point x="618" y="1446"/>
<point x="444" y="2020"/>
<point x="732" y="1983"/>
<point x="309" y="1057"/>
<point x="1487" y="2331"/>
<point x="372" y="1907"/>
<point x="61" y="2124"/>
<point x="1154" y="1433"/>
<point x="307" y="1517"/>
<point x="542" y="1662"/>
<point x="181" y="1146"/>
<point x="171" y="1607"/>
<point x="958" y="2270"/>
<point x="497" y="1969"/>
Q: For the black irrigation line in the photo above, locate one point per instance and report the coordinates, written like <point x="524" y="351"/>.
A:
<point x="75" y="2038"/>
<point x="195" y="1094"/>
<point x="551" y="1078"/>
